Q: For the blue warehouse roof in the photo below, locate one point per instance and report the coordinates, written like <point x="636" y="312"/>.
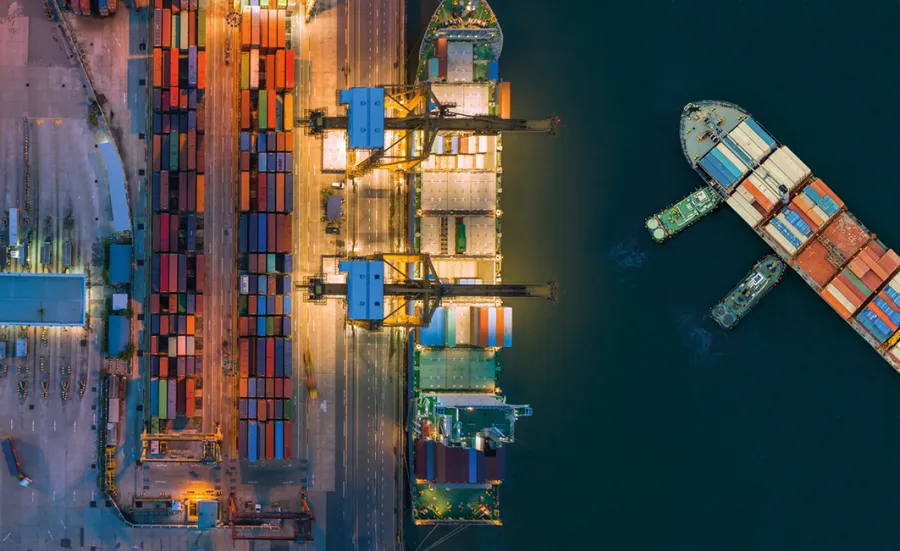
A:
<point x="42" y="299"/>
<point x="120" y="263"/>
<point x="118" y="195"/>
<point x="119" y="333"/>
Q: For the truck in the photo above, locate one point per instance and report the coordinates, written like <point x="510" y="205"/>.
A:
<point x="12" y="463"/>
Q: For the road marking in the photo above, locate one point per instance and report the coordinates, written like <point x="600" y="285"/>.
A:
<point x="49" y="534"/>
<point x="7" y="536"/>
<point x="54" y="426"/>
<point x="32" y="426"/>
<point x="32" y="496"/>
<point x="74" y="426"/>
<point x="63" y="524"/>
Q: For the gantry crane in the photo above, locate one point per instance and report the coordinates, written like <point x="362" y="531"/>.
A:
<point x="210" y="454"/>
<point x="428" y="290"/>
<point x="421" y="111"/>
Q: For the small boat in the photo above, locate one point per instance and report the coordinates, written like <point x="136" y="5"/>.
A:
<point x="764" y="275"/>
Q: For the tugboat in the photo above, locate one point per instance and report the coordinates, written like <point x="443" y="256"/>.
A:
<point x="766" y="273"/>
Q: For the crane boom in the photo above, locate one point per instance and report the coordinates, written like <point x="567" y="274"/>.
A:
<point x="478" y="125"/>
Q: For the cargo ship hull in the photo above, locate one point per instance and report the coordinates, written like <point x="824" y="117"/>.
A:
<point x="799" y="217"/>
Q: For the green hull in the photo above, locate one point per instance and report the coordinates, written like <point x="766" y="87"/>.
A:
<point x="766" y="273"/>
<point x="682" y="214"/>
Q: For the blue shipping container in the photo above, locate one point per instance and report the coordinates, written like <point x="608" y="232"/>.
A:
<point x="261" y="142"/>
<point x="760" y="132"/>
<point x="493" y="70"/>
<point x="279" y="357"/>
<point x="473" y="466"/>
<point x="251" y="386"/>
<point x="433" y="68"/>
<point x="271" y="161"/>
<point x="708" y="164"/>
<point x="245" y="141"/>
<point x="261" y="305"/>
<point x="253" y="232"/>
<point x="270" y="304"/>
<point x="813" y="196"/>
<point x="252" y="440"/>
<point x="279" y="439"/>
<point x="154" y="397"/>
<point x="288" y="358"/>
<point x="251" y="407"/>
<point x="242" y="233"/>
<point x="156" y="191"/>
<point x="287" y="305"/>
<point x="191" y="229"/>
<point x="261" y="326"/>
<point x="261" y="246"/>
<point x="262" y="162"/>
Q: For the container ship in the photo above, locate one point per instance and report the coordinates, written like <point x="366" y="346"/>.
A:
<point x="764" y="275"/>
<point x="800" y="217"/>
<point x="462" y="423"/>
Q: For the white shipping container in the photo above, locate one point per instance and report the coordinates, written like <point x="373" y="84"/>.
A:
<point x="895" y="284"/>
<point x="796" y="160"/>
<point x="768" y="187"/>
<point x="173" y="345"/>
<point x="754" y="137"/>
<point x="783" y="219"/>
<point x="254" y="69"/>
<point x="785" y="165"/>
<point x="183" y="44"/>
<point x="820" y="213"/>
<point x="189" y="350"/>
<point x="745" y="194"/>
<point x="463" y="325"/>
<point x="776" y="173"/>
<point x="746" y="144"/>
<point x="472" y="146"/>
<point x="797" y="168"/>
<point x="734" y="203"/>
<point x="479" y="161"/>
<point x="723" y="149"/>
<point x="836" y="293"/>
<point x="780" y="239"/>
<point x="482" y="144"/>
<point x="466" y="162"/>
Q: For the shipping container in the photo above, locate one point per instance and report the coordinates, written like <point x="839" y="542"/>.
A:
<point x="270" y="440"/>
<point x="166" y="31"/>
<point x="242" y="440"/>
<point x="279" y="440"/>
<point x="252" y="441"/>
<point x="172" y="396"/>
<point x="246" y="34"/>
<point x="201" y="29"/>
<point x="163" y="392"/>
<point x="503" y="92"/>
<point x="254" y="69"/>
<point x="264" y="29"/>
<point x="289" y="70"/>
<point x="280" y="60"/>
<point x="255" y="27"/>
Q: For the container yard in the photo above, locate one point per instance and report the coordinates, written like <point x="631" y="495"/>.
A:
<point x="178" y="154"/>
<point x="800" y="217"/>
<point x="265" y="240"/>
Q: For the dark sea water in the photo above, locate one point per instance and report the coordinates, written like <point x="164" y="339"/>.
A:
<point x="654" y="429"/>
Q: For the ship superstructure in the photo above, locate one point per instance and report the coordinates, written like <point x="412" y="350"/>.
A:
<point x="462" y="422"/>
<point x="800" y="217"/>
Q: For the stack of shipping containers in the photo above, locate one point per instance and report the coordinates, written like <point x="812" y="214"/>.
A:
<point x="103" y="8"/>
<point x="177" y="270"/>
<point x="265" y="241"/>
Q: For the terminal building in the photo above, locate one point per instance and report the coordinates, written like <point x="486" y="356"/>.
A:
<point x="43" y="299"/>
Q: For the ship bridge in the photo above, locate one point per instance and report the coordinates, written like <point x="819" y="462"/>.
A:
<point x="472" y="21"/>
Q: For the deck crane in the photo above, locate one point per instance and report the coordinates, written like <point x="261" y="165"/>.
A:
<point x="367" y="287"/>
<point x="421" y="111"/>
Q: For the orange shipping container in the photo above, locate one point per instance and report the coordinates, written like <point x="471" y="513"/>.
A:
<point x="279" y="192"/>
<point x="760" y="198"/>
<point x="270" y="74"/>
<point x="245" y="191"/>
<point x="201" y="70"/>
<point x="264" y="28"/>
<point x="881" y="315"/>
<point x="242" y="387"/>
<point x="279" y="141"/>
<point x="872" y="263"/>
<point x="820" y="185"/>
<point x="243" y="323"/>
<point x="245" y="28"/>
<point x="164" y="325"/>
<point x="279" y="69"/>
<point x="157" y="67"/>
<point x="858" y="268"/>
<point x="835" y="303"/>
<point x="190" y="325"/>
<point x="273" y="29"/>
<point x="282" y="30"/>
<point x="286" y="229"/>
<point x="189" y="397"/>
<point x="163" y="367"/>
<point x="503" y="92"/>
<point x="201" y="194"/>
<point x="166" y="28"/>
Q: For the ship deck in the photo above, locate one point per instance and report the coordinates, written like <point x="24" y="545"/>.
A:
<point x="461" y="504"/>
<point x="696" y="140"/>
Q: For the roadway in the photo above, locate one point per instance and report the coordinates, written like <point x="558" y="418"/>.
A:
<point x="349" y="44"/>
<point x="221" y="275"/>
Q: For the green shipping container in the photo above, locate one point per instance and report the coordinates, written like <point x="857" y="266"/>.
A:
<point x="173" y="158"/>
<point x="154" y="425"/>
<point x="182" y="304"/>
<point x="163" y="398"/>
<point x="270" y="325"/>
<point x="201" y="28"/>
<point x="245" y="70"/>
<point x="460" y="238"/>
<point x="264" y="3"/>
<point x="282" y="4"/>
<point x="287" y="406"/>
<point x="176" y="32"/>
<point x="263" y="109"/>
<point x="270" y="261"/>
<point x="279" y="113"/>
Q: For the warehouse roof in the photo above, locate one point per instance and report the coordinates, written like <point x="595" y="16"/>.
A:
<point x="207" y="514"/>
<point x="117" y="193"/>
<point x="119" y="263"/>
<point x="365" y="289"/>
<point x="42" y="299"/>
<point x="119" y="333"/>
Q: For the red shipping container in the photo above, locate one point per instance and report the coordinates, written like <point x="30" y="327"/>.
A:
<point x="166" y="28"/>
<point x="261" y="193"/>
<point x="289" y="70"/>
<point x="286" y="229"/>
<point x="200" y="273"/>
<point x="242" y="387"/>
<point x="279" y="192"/>
<point x="279" y="392"/>
<point x="163" y="367"/>
<point x="270" y="440"/>
<point x="173" y="71"/>
<point x="153" y="346"/>
<point x="183" y="96"/>
<point x="260" y="409"/>
<point x="173" y="271"/>
<point x="279" y="71"/>
<point x="154" y="303"/>
<point x="270" y="392"/>
<point x="270" y="83"/>
<point x="264" y="27"/>
<point x="243" y="324"/>
<point x="201" y="72"/>
<point x="163" y="325"/>
<point x="198" y="305"/>
<point x="273" y="114"/>
<point x="164" y="232"/>
<point x="251" y="306"/>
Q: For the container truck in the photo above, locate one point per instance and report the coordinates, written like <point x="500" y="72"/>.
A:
<point x="12" y="462"/>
